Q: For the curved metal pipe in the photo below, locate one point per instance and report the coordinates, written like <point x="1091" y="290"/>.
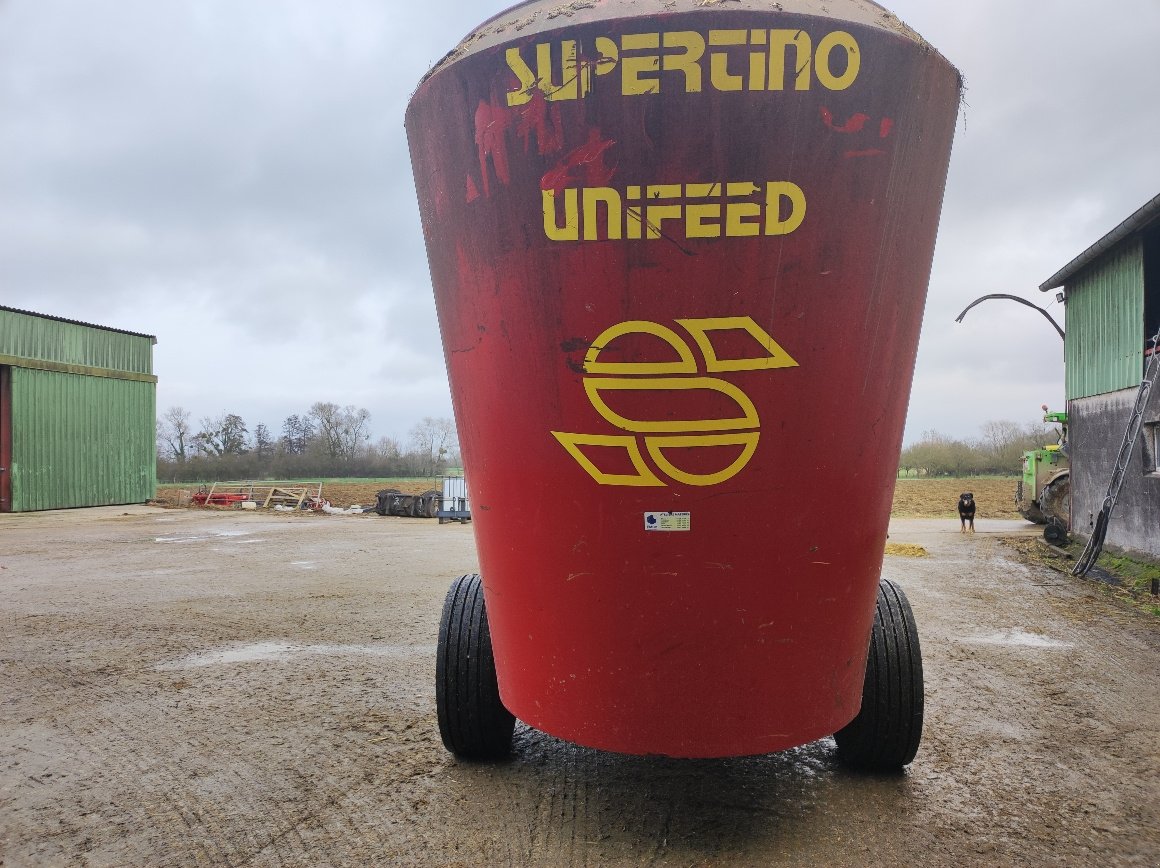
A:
<point x="1043" y="311"/>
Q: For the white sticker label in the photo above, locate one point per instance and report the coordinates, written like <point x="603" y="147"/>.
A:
<point x="666" y="521"/>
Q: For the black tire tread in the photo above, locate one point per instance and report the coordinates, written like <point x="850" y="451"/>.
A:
<point x="473" y="722"/>
<point x="886" y="733"/>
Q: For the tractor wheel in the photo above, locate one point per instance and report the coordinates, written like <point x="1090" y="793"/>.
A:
<point x="885" y="734"/>
<point x="1055" y="501"/>
<point x="473" y="723"/>
<point x="1054" y="533"/>
<point x="1026" y="506"/>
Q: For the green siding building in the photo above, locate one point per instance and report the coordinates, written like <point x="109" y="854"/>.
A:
<point x="1112" y="292"/>
<point x="78" y="407"/>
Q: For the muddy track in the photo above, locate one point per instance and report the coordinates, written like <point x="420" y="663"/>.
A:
<point x="209" y="688"/>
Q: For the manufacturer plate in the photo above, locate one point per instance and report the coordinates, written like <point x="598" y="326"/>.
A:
<point x="669" y="521"/>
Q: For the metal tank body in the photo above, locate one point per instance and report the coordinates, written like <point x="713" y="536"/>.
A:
<point x="680" y="254"/>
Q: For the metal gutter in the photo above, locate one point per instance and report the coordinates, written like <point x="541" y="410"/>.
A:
<point x="77" y="322"/>
<point x="1139" y="220"/>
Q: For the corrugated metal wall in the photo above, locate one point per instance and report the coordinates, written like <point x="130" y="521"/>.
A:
<point x="49" y="340"/>
<point x="81" y="441"/>
<point x="1104" y="350"/>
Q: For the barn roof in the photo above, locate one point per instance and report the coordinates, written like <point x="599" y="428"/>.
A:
<point x="1140" y="220"/>
<point x="77" y="322"/>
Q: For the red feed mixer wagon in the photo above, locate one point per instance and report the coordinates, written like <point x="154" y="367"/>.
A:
<point x="675" y="248"/>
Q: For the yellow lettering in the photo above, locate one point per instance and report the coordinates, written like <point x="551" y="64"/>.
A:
<point x="775" y="191"/>
<point x="697" y="215"/>
<point x="719" y="73"/>
<point x="825" y="72"/>
<point x="757" y="62"/>
<point x="689" y="61"/>
<point x="610" y="199"/>
<point x="570" y="231"/>
<point x="737" y="224"/>
<point x="567" y="87"/>
<point x="747" y="210"/>
<point x="779" y="43"/>
<point x="657" y="214"/>
<point x="570" y="78"/>
<point x="609" y="55"/>
<point x="642" y="58"/>
<point x="634" y="219"/>
<point x="634" y="222"/>
<point x="523" y="72"/>
<point x="634" y="66"/>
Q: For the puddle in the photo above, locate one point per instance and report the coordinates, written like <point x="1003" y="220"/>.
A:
<point x="202" y="537"/>
<point x="1018" y="638"/>
<point x="281" y="652"/>
<point x="304" y="565"/>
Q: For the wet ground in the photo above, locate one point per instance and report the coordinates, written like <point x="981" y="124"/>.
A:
<point x="193" y="688"/>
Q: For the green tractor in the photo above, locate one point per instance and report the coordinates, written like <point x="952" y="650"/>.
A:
<point x="1043" y="495"/>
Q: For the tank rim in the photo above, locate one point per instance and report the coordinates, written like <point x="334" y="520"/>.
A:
<point x="885" y="20"/>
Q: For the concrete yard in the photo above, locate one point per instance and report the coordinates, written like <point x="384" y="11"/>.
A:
<point x="183" y="687"/>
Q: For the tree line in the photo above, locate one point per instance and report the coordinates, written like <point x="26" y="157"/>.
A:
<point x="329" y="440"/>
<point x="326" y="440"/>
<point x="997" y="451"/>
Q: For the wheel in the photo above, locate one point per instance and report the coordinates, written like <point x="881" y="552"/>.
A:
<point x="430" y="503"/>
<point x="885" y="734"/>
<point x="1055" y="500"/>
<point x="383" y="500"/>
<point x="1055" y="534"/>
<point x="472" y="720"/>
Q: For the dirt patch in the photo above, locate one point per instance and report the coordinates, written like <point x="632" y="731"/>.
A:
<point x="1111" y="575"/>
<point x="906" y="550"/>
<point x="197" y="687"/>
<point x="937" y="498"/>
<point x="913" y="498"/>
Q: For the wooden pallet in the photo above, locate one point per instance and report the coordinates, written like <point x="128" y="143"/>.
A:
<point x="267" y="494"/>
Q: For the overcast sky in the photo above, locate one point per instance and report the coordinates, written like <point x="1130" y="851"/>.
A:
<point x="233" y="178"/>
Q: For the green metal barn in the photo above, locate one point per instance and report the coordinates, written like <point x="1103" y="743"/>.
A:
<point x="77" y="414"/>
<point x="1112" y="292"/>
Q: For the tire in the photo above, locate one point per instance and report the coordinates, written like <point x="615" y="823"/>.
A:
<point x="885" y="734"/>
<point x="383" y="499"/>
<point x="1055" y="500"/>
<point x="473" y="723"/>
<point x="1055" y="534"/>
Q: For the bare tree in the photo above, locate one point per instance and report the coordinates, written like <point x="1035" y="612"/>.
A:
<point x="341" y="430"/>
<point x="998" y="434"/>
<point x="387" y="449"/>
<point x="434" y="441"/>
<point x="174" y="434"/>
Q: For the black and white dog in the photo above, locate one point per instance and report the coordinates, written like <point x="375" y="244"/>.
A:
<point x="967" y="512"/>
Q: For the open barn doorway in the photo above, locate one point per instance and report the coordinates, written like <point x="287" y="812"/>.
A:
<point x="5" y="438"/>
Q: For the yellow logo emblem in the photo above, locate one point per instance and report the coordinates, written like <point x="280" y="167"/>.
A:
<point x="646" y="397"/>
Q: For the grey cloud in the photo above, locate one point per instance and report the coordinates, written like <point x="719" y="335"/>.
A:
<point x="238" y="173"/>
